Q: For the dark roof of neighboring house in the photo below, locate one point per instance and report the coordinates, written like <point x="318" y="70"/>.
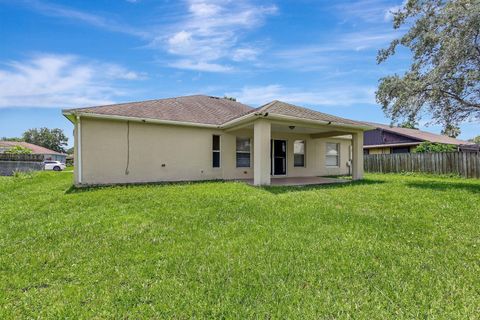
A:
<point x="35" y="149"/>
<point x="196" y="109"/>
<point x="419" y="134"/>
<point x="202" y="109"/>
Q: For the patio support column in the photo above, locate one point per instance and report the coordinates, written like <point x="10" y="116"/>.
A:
<point x="261" y="152"/>
<point x="357" y="156"/>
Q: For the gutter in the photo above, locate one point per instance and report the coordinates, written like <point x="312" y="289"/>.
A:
<point x="79" y="149"/>
<point x="405" y="144"/>
<point x="226" y="125"/>
<point x="310" y="121"/>
<point x="143" y="120"/>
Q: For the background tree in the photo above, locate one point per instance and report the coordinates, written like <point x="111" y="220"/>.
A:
<point x="451" y="130"/>
<point x="11" y="139"/>
<point x="427" y="146"/>
<point x="410" y="123"/>
<point x="475" y="140"/>
<point x="53" y="139"/>
<point x="443" y="79"/>
<point x="18" y="150"/>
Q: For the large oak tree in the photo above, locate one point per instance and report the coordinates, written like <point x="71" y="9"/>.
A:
<point x="444" y="77"/>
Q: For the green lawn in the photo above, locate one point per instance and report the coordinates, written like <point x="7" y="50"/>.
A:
<point x="391" y="246"/>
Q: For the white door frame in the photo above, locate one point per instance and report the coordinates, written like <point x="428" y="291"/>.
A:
<point x="272" y="157"/>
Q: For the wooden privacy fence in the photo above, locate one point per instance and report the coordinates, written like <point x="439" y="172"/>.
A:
<point x="466" y="164"/>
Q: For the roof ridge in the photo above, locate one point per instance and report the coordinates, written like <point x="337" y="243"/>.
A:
<point x="266" y="106"/>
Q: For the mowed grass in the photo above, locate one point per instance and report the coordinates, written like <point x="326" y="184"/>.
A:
<point x="389" y="247"/>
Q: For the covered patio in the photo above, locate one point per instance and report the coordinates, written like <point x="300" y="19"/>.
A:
<point x="275" y="125"/>
<point x="300" y="181"/>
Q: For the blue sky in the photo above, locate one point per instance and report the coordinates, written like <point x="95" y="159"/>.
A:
<point x="319" y="54"/>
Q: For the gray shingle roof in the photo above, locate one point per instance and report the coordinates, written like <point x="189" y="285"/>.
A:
<point x="287" y="109"/>
<point x="195" y="109"/>
<point x="206" y="110"/>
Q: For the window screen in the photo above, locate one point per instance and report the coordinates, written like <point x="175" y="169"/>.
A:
<point x="299" y="153"/>
<point x="243" y="152"/>
<point x="332" y="155"/>
<point x="216" y="151"/>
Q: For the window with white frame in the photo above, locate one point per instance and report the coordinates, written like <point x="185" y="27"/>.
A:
<point x="299" y="153"/>
<point x="216" y="151"/>
<point x="243" y="152"/>
<point x="332" y="155"/>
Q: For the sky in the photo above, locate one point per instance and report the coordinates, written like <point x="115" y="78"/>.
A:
<point x="317" y="54"/>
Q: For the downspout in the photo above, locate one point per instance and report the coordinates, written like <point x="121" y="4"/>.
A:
<point x="79" y="149"/>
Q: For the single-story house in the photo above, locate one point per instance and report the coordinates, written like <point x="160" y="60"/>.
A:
<point x="207" y="138"/>
<point x="48" y="155"/>
<point x="385" y="139"/>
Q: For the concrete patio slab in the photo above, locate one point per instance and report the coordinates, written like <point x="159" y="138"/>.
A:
<point x="300" y="181"/>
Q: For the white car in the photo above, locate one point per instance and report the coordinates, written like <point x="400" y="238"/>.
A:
<point x="54" y="165"/>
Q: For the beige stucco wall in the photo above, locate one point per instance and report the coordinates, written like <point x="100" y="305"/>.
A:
<point x="179" y="153"/>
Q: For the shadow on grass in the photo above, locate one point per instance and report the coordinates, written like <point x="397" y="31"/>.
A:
<point x="74" y="189"/>
<point x="311" y="187"/>
<point x="445" y="186"/>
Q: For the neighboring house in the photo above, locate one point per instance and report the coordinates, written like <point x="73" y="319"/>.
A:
<point x="47" y="153"/>
<point x="390" y="139"/>
<point x="206" y="138"/>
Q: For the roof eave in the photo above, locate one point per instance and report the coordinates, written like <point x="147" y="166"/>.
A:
<point x="135" y="119"/>
<point x="360" y="126"/>
<point x="274" y="116"/>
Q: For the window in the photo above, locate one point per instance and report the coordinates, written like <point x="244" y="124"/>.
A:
<point x="243" y="152"/>
<point x="216" y="151"/>
<point x="299" y="153"/>
<point x="332" y="155"/>
<point x="401" y="150"/>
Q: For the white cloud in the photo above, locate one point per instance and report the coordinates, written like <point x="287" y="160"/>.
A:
<point x="211" y="32"/>
<point x="55" y="10"/>
<point x="370" y="11"/>
<point x="200" y="66"/>
<point x="60" y="81"/>
<point x="200" y="8"/>
<point x="326" y="96"/>
<point x="245" y="54"/>
<point x="205" y="32"/>
<point x="388" y="16"/>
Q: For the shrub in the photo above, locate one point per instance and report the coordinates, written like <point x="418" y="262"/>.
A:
<point x="18" y="150"/>
<point x="426" y="146"/>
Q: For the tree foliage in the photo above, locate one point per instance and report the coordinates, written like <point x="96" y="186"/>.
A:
<point x="53" y="139"/>
<point x="451" y="130"/>
<point x="444" y="77"/>
<point x="18" y="150"/>
<point x="11" y="139"/>
<point x="410" y="123"/>
<point x="427" y="147"/>
<point x="475" y="140"/>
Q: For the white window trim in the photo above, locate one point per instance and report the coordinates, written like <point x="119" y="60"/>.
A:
<point x="304" y="153"/>
<point x="219" y="152"/>
<point x="249" y="152"/>
<point x="338" y="155"/>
